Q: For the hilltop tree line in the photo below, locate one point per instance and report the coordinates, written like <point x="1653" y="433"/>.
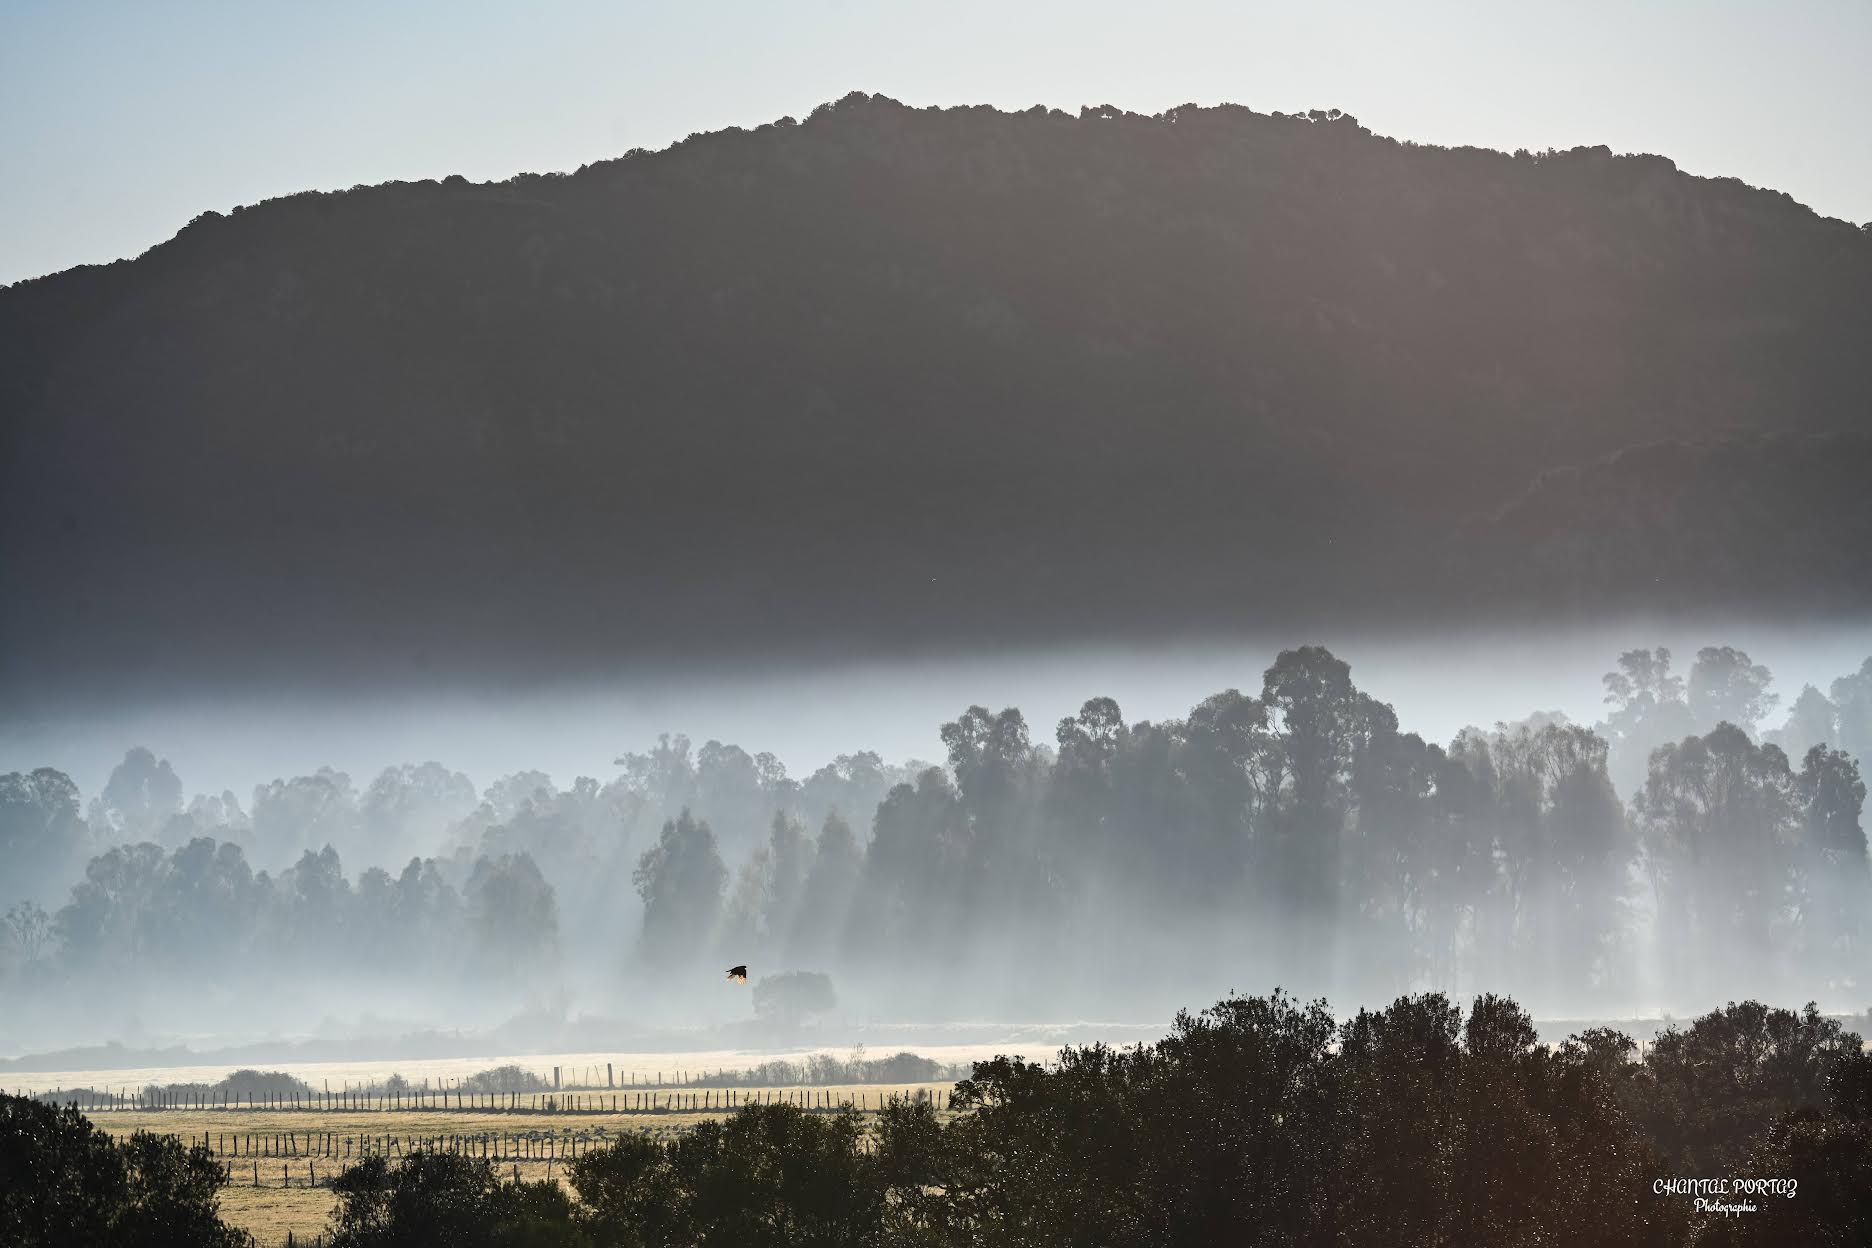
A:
<point x="1302" y="807"/>
<point x="1262" y="1120"/>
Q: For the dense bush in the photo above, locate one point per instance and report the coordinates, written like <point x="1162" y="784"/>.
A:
<point x="243" y="1085"/>
<point x="769" y="1175"/>
<point x="449" y="1201"/>
<point x="509" y="1078"/>
<point x="63" y="1181"/>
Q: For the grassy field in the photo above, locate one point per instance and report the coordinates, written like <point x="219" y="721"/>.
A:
<point x="275" y="1154"/>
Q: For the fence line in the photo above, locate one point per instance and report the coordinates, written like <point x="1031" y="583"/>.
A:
<point x="704" y="1100"/>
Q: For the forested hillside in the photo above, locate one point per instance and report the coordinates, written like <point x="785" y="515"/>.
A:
<point x="890" y="374"/>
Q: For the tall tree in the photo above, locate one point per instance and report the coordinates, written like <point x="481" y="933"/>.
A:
<point x="789" y="860"/>
<point x="1726" y="686"/>
<point x="1853" y="695"/>
<point x="26" y="937"/>
<point x="680" y="879"/>
<point x="1565" y="846"/>
<point x="305" y="813"/>
<point x="1088" y="837"/>
<point x="1836" y="882"/>
<point x="313" y="903"/>
<point x="729" y="793"/>
<point x="1812" y="720"/>
<point x="999" y="781"/>
<point x="42" y="839"/>
<point x="512" y="915"/>
<point x="826" y="898"/>
<point x="921" y="876"/>
<point x="852" y="785"/>
<point x="1648" y="710"/>
<point x="744" y="919"/>
<point x="407" y="810"/>
<point x="1230" y="764"/>
<point x="1325" y="727"/>
<point x="1719" y="826"/>
<point x="143" y="792"/>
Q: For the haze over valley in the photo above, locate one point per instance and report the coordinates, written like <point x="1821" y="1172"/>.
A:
<point x="753" y="692"/>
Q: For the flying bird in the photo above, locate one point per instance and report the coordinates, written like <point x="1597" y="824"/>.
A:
<point x="738" y="973"/>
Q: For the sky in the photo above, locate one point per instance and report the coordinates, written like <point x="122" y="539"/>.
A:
<point x="121" y="121"/>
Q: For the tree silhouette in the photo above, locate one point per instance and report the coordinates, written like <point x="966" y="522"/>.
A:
<point x="1719" y="826"/>
<point x="680" y="879"/>
<point x="1725" y="687"/>
<point x="143" y="792"/>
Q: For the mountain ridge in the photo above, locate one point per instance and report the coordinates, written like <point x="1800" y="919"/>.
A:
<point x="763" y="385"/>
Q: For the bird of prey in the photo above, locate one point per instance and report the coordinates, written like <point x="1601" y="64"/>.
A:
<point x="738" y="973"/>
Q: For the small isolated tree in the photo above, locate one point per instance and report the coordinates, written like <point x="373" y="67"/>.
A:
<point x="790" y="999"/>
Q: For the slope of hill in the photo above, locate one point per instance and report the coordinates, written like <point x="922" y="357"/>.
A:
<point x="891" y="376"/>
<point x="1763" y="520"/>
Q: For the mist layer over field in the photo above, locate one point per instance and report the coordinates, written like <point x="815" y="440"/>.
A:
<point x="572" y="868"/>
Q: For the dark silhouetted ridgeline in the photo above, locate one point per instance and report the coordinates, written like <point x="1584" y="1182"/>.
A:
<point x="895" y="376"/>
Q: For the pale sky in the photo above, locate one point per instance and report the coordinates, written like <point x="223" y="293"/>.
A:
<point x="120" y="121"/>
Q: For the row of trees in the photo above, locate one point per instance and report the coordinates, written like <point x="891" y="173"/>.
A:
<point x="1302" y="809"/>
<point x="1307" y="809"/>
<point x="1650" y="706"/>
<point x="143" y="914"/>
<point x="415" y="810"/>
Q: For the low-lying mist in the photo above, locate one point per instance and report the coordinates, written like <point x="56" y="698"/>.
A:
<point x="1608" y="823"/>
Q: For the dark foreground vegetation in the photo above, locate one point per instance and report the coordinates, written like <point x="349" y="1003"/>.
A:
<point x="65" y="1182"/>
<point x="1260" y="1121"/>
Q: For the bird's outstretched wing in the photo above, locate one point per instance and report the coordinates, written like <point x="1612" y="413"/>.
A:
<point x="738" y="973"/>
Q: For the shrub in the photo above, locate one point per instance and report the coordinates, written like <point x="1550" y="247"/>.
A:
<point x="63" y="1181"/>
